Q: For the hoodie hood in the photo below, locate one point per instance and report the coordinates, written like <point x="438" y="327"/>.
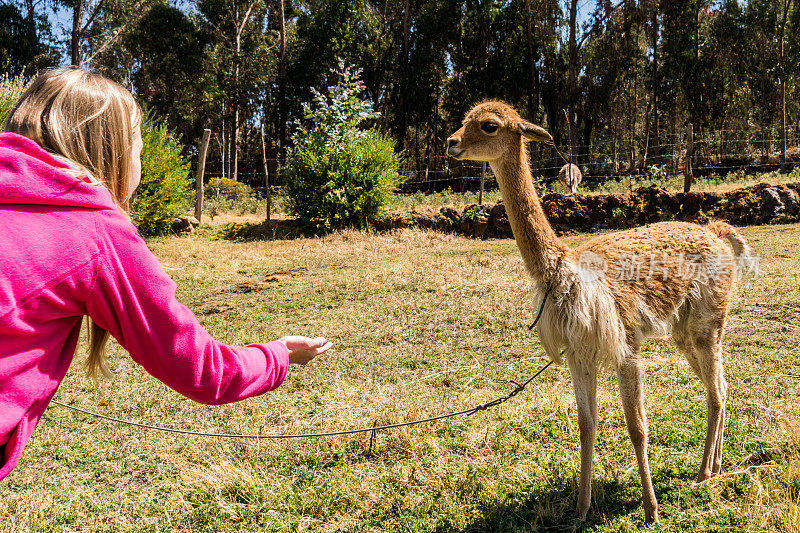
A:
<point x="30" y="175"/>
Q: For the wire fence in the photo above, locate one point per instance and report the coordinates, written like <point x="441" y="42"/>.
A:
<point x="713" y="152"/>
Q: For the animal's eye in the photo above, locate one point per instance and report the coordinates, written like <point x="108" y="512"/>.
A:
<point x="489" y="127"/>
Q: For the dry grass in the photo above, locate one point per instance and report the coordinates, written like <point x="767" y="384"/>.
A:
<point x="423" y="323"/>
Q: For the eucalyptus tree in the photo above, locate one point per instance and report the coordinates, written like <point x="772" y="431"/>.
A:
<point x="98" y="25"/>
<point x="25" y="40"/>
<point x="243" y="60"/>
<point x="170" y="69"/>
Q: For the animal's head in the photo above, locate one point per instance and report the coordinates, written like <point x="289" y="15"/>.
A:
<point x="491" y="129"/>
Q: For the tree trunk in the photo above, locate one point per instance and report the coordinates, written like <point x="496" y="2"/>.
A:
<point x="240" y="25"/>
<point x="533" y="85"/>
<point x="782" y="81"/>
<point x="75" y="38"/>
<point x="654" y="67"/>
<point x="632" y="166"/>
<point x="223" y="144"/>
<point x="551" y="109"/>
<point x="647" y="132"/>
<point x="266" y="172"/>
<point x="572" y="85"/>
<point x="282" y="85"/>
<point x="688" y="172"/>
<point x="783" y="124"/>
<point x="402" y="123"/>
<point x="235" y="146"/>
<point x="236" y="104"/>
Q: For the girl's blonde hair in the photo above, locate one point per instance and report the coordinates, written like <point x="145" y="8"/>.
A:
<point x="89" y="120"/>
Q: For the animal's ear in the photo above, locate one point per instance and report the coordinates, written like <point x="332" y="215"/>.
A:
<point x="532" y="132"/>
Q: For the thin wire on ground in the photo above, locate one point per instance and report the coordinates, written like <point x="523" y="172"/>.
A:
<point x="466" y="412"/>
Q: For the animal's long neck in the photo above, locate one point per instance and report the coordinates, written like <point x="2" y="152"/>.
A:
<point x="539" y="245"/>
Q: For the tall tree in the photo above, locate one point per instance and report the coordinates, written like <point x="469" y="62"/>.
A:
<point x="24" y="41"/>
<point x="782" y="73"/>
<point x="168" y="58"/>
<point x="243" y="61"/>
<point x="97" y="25"/>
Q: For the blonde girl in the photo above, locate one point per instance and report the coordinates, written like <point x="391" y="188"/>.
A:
<point x="69" y="163"/>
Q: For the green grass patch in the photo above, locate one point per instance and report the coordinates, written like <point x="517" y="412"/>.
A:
<point x="422" y="323"/>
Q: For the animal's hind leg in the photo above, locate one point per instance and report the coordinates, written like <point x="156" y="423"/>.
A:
<point x="684" y="342"/>
<point x="703" y="350"/>
<point x="708" y="350"/>
<point x="717" y="468"/>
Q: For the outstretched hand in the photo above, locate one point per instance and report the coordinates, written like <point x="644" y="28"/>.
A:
<point x="303" y="349"/>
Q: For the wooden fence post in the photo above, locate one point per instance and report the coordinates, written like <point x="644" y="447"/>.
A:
<point x="783" y="125"/>
<point x="266" y="174"/>
<point x="430" y="185"/>
<point x="201" y="171"/>
<point x="483" y="178"/>
<point x="687" y="173"/>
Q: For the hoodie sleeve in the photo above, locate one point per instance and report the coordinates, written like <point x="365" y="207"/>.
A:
<point x="134" y="299"/>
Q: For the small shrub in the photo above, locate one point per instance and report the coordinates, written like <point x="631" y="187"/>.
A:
<point x="473" y="213"/>
<point x="736" y="175"/>
<point x="338" y="174"/>
<point x="231" y="196"/>
<point x="10" y="91"/>
<point x="215" y="205"/>
<point x="657" y="173"/>
<point x="228" y="189"/>
<point x="164" y="192"/>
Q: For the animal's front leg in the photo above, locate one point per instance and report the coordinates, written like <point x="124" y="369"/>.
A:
<point x="584" y="381"/>
<point x="631" y="389"/>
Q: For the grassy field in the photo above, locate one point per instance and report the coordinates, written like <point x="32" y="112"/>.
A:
<point x="422" y="323"/>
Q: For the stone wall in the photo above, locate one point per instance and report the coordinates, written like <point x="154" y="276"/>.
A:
<point x="757" y="204"/>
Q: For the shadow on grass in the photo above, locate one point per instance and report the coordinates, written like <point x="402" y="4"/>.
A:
<point x="273" y="230"/>
<point x="552" y="508"/>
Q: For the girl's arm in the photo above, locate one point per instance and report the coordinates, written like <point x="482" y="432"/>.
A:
<point x="134" y="299"/>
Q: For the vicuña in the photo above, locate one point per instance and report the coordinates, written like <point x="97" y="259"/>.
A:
<point x="612" y="292"/>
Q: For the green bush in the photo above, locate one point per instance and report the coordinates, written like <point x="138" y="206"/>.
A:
<point x="338" y="174"/>
<point x="228" y="189"/>
<point x="230" y="196"/>
<point x="10" y="91"/>
<point x="164" y="192"/>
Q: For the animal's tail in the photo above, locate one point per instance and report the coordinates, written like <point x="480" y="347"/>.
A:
<point x="723" y="229"/>
<point x="747" y="263"/>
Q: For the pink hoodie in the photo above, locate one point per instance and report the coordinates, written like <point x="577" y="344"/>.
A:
<point x="65" y="252"/>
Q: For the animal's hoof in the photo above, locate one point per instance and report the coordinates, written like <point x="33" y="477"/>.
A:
<point x="651" y="516"/>
<point x="581" y="512"/>
<point x="702" y="476"/>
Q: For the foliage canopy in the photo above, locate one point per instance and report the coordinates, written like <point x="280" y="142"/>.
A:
<point x="339" y="174"/>
<point x="164" y="192"/>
